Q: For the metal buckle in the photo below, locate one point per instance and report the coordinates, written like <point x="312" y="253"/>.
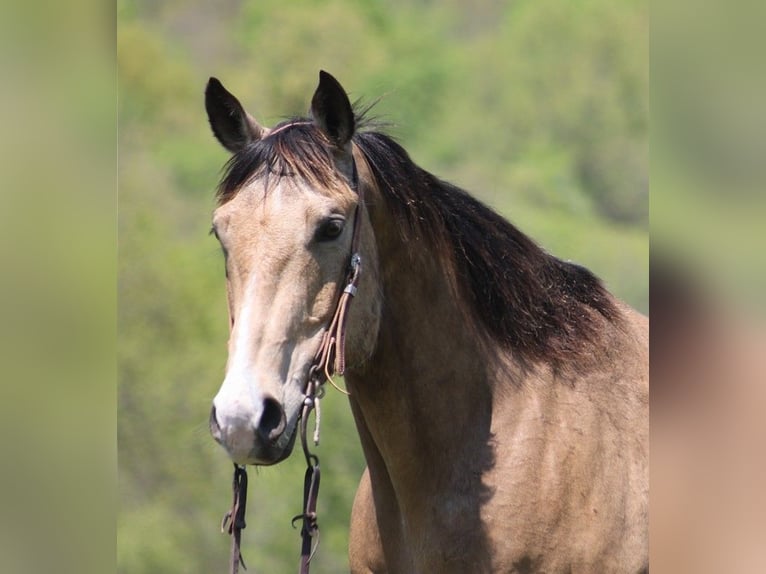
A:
<point x="356" y="261"/>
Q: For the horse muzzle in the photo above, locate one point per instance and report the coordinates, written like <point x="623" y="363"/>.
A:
<point x="257" y="437"/>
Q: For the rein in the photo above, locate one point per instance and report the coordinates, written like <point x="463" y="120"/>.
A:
<point x="329" y="359"/>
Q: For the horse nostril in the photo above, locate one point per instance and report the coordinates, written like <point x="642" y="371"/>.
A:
<point x="272" y="423"/>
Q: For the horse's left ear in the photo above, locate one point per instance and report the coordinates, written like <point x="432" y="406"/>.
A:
<point x="332" y="110"/>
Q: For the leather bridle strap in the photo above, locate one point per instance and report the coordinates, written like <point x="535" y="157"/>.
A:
<point x="309" y="528"/>
<point x="330" y="358"/>
<point x="234" y="519"/>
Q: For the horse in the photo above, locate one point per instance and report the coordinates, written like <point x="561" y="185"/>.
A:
<point x="500" y="394"/>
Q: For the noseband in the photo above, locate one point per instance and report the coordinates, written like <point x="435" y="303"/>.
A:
<point x="329" y="359"/>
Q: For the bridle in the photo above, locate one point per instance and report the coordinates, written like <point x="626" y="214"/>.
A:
<point x="329" y="359"/>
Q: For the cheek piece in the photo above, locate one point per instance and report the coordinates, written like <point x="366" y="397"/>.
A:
<point x="329" y="359"/>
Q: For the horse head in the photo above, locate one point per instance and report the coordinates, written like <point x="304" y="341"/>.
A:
<point x="286" y="222"/>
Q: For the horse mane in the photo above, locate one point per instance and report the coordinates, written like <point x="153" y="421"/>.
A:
<point x="295" y="148"/>
<point x="540" y="307"/>
<point x="515" y="293"/>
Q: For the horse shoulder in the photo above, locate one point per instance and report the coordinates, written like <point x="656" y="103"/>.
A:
<point x="365" y="551"/>
<point x="638" y="333"/>
<point x="570" y="484"/>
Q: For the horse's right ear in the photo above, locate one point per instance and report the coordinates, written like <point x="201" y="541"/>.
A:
<point x="232" y="125"/>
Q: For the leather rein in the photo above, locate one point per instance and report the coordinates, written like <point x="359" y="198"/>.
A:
<point x="329" y="359"/>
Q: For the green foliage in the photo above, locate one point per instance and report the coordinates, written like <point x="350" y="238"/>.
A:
<point x="538" y="107"/>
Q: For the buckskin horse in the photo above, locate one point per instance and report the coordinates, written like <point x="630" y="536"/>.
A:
<point x="500" y="394"/>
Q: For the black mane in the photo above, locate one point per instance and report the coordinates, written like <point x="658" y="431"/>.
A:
<point x="296" y="147"/>
<point x="527" y="300"/>
<point x="541" y="307"/>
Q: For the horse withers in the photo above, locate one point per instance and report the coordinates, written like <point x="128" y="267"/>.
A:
<point x="500" y="394"/>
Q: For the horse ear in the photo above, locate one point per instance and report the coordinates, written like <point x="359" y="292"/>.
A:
<point x="332" y="110"/>
<point x="232" y="126"/>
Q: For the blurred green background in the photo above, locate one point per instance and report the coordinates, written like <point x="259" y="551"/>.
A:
<point x="539" y="107"/>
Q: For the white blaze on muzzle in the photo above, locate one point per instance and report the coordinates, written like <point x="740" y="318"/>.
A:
<point x="249" y="418"/>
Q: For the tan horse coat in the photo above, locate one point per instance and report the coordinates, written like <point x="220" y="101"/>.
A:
<point x="478" y="466"/>
<point x="501" y="395"/>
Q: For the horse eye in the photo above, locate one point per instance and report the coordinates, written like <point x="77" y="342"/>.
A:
<point x="331" y="229"/>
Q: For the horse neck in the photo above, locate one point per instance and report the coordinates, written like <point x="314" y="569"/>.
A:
<point x="423" y="400"/>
